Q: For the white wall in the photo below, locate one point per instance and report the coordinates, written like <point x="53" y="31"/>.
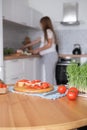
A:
<point x="54" y="8"/>
<point x="67" y="39"/>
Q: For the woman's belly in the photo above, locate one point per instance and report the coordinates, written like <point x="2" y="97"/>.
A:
<point x="49" y="50"/>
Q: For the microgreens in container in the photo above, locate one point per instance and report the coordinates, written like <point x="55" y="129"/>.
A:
<point x="77" y="76"/>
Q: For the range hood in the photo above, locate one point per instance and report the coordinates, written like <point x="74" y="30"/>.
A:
<point x="70" y="14"/>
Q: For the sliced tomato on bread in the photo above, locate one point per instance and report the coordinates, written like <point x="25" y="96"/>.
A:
<point x="36" y="81"/>
<point x="23" y="80"/>
<point x="45" y="85"/>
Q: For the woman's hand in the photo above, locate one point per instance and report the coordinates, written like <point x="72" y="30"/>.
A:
<point x="36" y="51"/>
<point x="31" y="44"/>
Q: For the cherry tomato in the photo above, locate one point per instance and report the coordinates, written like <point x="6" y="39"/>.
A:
<point x="41" y="87"/>
<point x="1" y="85"/>
<point x="45" y="85"/>
<point x="62" y="89"/>
<point x="73" y="89"/>
<point x="36" y="87"/>
<point x="4" y="86"/>
<point x="28" y="87"/>
<point x="71" y="95"/>
<point x="23" y="80"/>
<point x="36" y="81"/>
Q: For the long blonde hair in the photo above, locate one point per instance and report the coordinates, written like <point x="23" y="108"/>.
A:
<point x="47" y="24"/>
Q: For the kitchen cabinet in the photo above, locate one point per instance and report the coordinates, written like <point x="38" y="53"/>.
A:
<point x="36" y="16"/>
<point x="7" y="9"/>
<point x="14" y="70"/>
<point x="21" y="2"/>
<point x="21" y="13"/>
<point x="11" y="6"/>
<point x="27" y="68"/>
<point x="38" y="69"/>
<point x="33" y="68"/>
<point x="17" y="12"/>
<point x="29" y="72"/>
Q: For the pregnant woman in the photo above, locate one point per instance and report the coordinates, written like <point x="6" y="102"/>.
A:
<point x="47" y="49"/>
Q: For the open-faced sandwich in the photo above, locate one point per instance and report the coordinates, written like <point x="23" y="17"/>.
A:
<point x="35" y="86"/>
<point x="3" y="87"/>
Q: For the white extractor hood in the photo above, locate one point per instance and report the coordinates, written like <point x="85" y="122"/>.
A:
<point x="70" y="14"/>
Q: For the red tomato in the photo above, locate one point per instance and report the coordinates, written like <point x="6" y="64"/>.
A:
<point x="23" y="80"/>
<point x="45" y="85"/>
<point x="62" y="89"/>
<point x="41" y="87"/>
<point x="4" y="86"/>
<point x="36" y="81"/>
<point x="36" y="87"/>
<point x="28" y="87"/>
<point x="71" y="95"/>
<point x="73" y="89"/>
<point x="1" y="85"/>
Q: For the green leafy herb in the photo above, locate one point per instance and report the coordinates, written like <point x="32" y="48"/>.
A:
<point x="77" y="76"/>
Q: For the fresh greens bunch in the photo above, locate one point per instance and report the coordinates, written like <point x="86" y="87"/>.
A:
<point x="8" y="51"/>
<point x="77" y="76"/>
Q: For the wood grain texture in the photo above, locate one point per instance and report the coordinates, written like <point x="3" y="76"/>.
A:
<point x="72" y="56"/>
<point x="20" y="112"/>
<point x="15" y="56"/>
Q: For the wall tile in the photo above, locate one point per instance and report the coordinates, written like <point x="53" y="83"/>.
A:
<point x="14" y="36"/>
<point x="68" y="38"/>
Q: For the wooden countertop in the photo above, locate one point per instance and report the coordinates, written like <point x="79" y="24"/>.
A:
<point x="72" y="56"/>
<point x="16" y="56"/>
<point x="20" y="112"/>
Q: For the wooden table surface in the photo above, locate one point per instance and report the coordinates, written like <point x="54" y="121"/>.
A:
<point x="20" y="112"/>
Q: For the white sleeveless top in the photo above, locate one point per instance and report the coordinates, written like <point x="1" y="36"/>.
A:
<point x="52" y="48"/>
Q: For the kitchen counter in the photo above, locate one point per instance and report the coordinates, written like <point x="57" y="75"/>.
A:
<point x="73" y="56"/>
<point x="22" y="112"/>
<point x="15" y="56"/>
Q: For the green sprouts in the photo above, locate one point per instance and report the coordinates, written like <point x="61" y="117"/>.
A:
<point x="77" y="76"/>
